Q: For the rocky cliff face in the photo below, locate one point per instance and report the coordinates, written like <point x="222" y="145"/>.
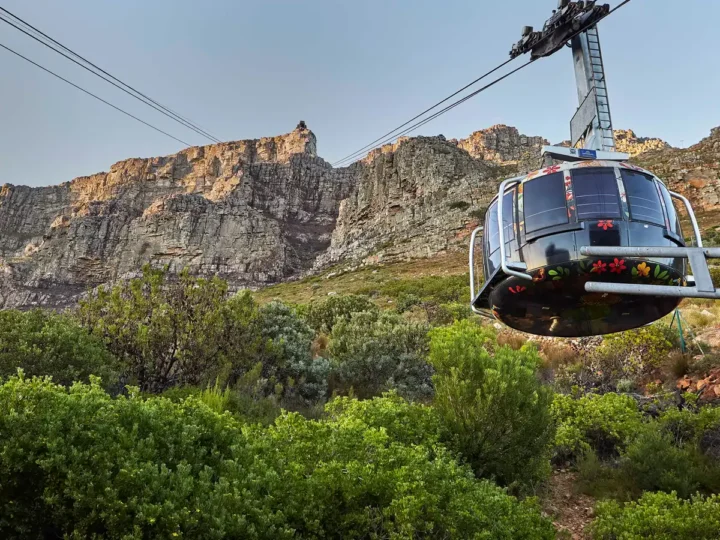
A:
<point x="626" y="141"/>
<point x="253" y="212"/>
<point x="263" y="211"/>
<point x="417" y="199"/>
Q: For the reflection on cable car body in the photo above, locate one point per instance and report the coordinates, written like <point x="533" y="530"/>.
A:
<point x="547" y="217"/>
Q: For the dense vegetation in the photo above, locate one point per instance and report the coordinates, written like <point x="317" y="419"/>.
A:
<point x="169" y="408"/>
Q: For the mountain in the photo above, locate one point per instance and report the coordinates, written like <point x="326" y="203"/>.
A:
<point x="258" y="212"/>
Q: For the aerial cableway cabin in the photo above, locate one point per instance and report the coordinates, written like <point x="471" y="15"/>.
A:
<point x="540" y="229"/>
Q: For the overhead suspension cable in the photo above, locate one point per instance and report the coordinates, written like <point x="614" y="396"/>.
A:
<point x="92" y="95"/>
<point x="53" y="45"/>
<point x="442" y="111"/>
<point x="391" y="135"/>
<point x="351" y="156"/>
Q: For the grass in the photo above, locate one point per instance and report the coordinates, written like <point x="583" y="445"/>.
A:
<point x="440" y="276"/>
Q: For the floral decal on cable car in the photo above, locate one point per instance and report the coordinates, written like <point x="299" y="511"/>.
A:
<point x="517" y="290"/>
<point x="617" y="266"/>
<point x="532" y="175"/>
<point x="641" y="270"/>
<point x="589" y="164"/>
<point x="552" y="169"/>
<point x="559" y="273"/>
<point x="599" y="267"/>
<point x="539" y="276"/>
<point x="605" y="224"/>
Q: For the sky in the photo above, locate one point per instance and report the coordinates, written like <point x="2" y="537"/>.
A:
<point x="351" y="70"/>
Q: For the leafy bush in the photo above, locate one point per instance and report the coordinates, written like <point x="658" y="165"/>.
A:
<point x="375" y="352"/>
<point x="79" y="464"/>
<point x="628" y="355"/>
<point x="659" y="515"/>
<point x="715" y="275"/>
<point x="45" y="343"/>
<point x="168" y="333"/>
<point x="322" y="316"/>
<point x="654" y="461"/>
<point x="291" y="363"/>
<point x="602" y="423"/>
<point x="494" y="410"/>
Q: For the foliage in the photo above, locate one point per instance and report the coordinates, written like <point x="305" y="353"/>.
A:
<point x="405" y="422"/>
<point x="291" y="363"/>
<point x="628" y="355"/>
<point x="76" y="463"/>
<point x="45" y="343"/>
<point x="602" y="423"/>
<point x="715" y="275"/>
<point x="374" y="352"/>
<point x="165" y="332"/>
<point x="322" y="316"/>
<point x="659" y="515"/>
<point x="438" y="289"/>
<point x="494" y="410"/>
<point x="655" y="461"/>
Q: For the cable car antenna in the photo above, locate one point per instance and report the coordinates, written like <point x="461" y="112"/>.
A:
<point x="590" y="244"/>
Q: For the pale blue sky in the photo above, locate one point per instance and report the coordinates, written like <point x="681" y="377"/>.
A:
<point x="351" y="70"/>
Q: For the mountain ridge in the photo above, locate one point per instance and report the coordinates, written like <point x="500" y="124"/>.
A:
<point x="267" y="210"/>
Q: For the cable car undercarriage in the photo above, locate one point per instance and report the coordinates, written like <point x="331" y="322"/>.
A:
<point x="590" y="244"/>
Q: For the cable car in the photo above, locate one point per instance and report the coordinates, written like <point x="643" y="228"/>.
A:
<point x="540" y="228"/>
<point x="590" y="244"/>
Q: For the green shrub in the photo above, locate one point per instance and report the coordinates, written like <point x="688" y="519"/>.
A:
<point x="322" y="316"/>
<point x="169" y="332"/>
<point x="45" y="343"/>
<point x="375" y="352"/>
<point x="494" y="410"/>
<point x="660" y="516"/>
<point x="629" y="355"/>
<point x="602" y="423"/>
<point x="76" y="463"/>
<point x="291" y="363"/>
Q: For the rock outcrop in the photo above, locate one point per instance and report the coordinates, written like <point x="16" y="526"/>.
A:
<point x="252" y="212"/>
<point x="693" y="172"/>
<point x="505" y="146"/>
<point x="414" y="200"/>
<point x="626" y="141"/>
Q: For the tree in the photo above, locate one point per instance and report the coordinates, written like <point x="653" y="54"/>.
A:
<point x="172" y="332"/>
<point x="494" y="409"/>
<point x="322" y="316"/>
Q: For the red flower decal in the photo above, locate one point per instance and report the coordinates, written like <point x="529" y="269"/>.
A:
<point x="569" y="196"/>
<point x="517" y="290"/>
<point x="552" y="169"/>
<point x="618" y="266"/>
<point x="605" y="224"/>
<point x="599" y="267"/>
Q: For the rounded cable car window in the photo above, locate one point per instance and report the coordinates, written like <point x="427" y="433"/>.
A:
<point x="596" y="193"/>
<point x="544" y="202"/>
<point x="643" y="199"/>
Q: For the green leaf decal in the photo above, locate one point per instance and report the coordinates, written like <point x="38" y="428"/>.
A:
<point x="553" y="273"/>
<point x="657" y="271"/>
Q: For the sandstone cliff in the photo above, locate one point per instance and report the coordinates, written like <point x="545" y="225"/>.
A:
<point x="253" y="212"/>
